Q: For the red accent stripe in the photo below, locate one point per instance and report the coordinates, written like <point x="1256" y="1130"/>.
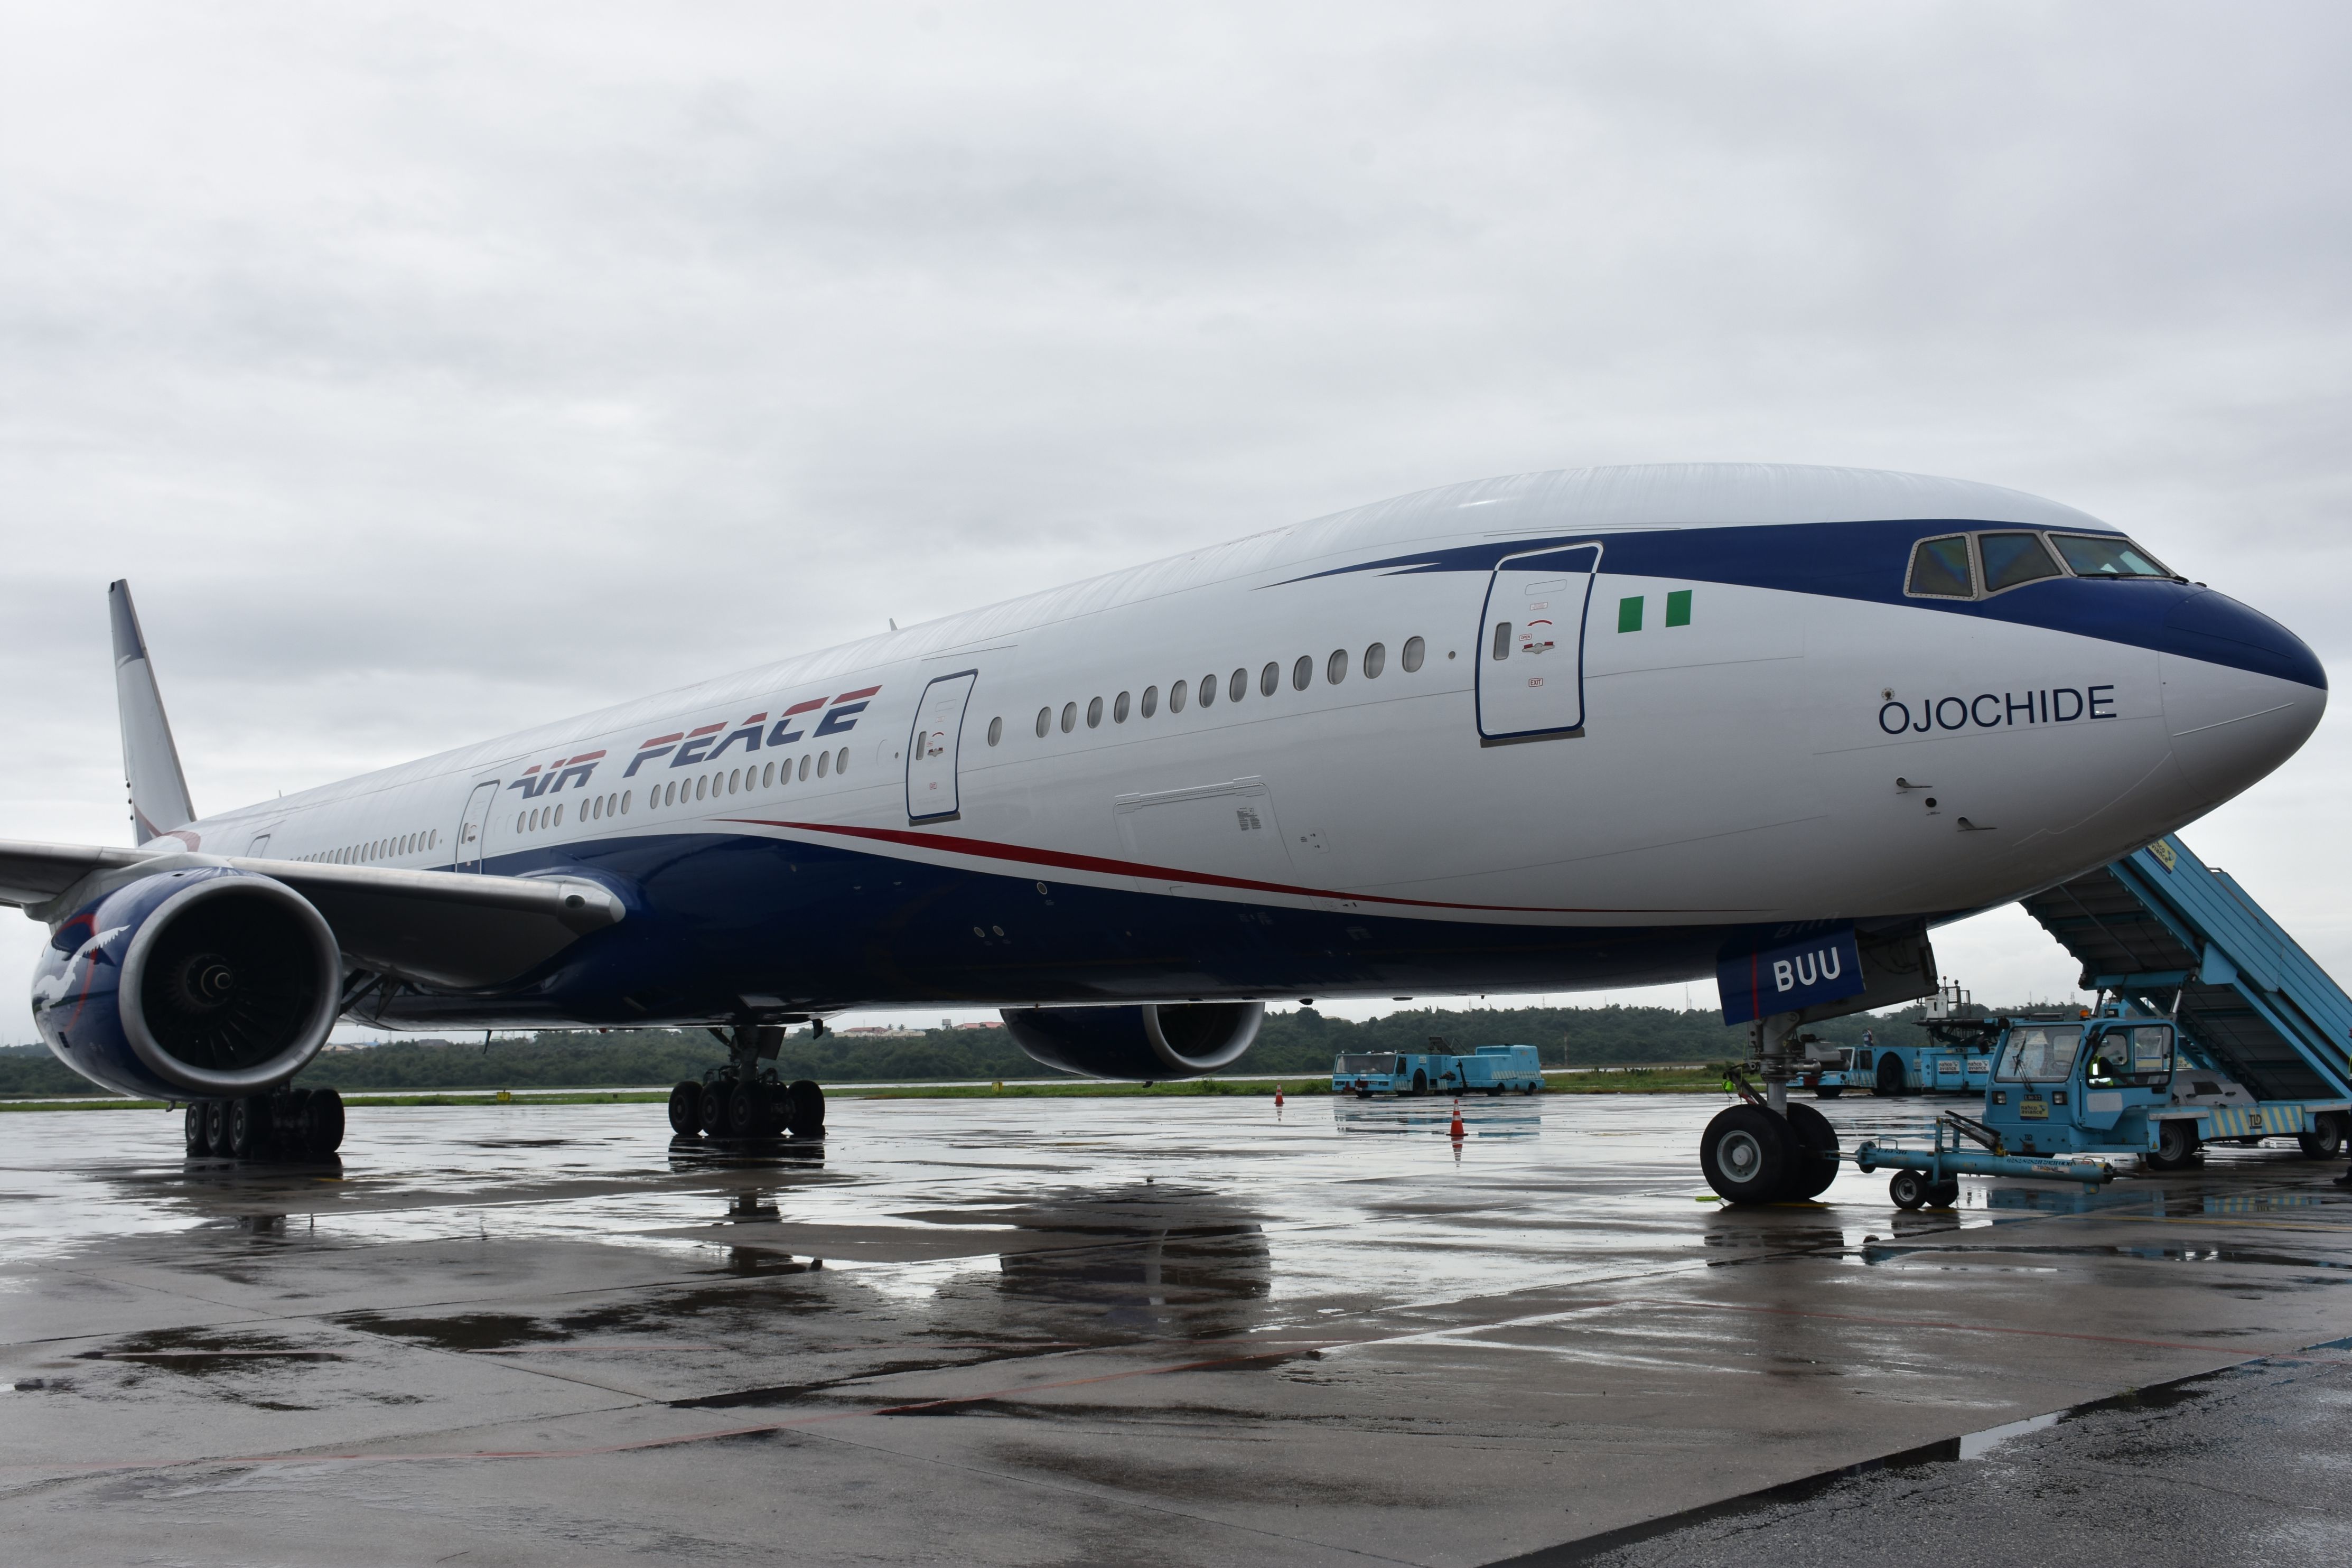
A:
<point x="531" y="770"/>
<point x="1096" y="864"/>
<point x="707" y="729"/>
<point x="853" y="696"/>
<point x="664" y="740"/>
<point x="757" y="719"/>
<point x="804" y="707"/>
<point x="584" y="757"/>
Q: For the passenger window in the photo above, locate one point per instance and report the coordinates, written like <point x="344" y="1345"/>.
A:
<point x="804" y="767"/>
<point x="841" y="761"/>
<point x="1118" y="710"/>
<point x="559" y="817"/>
<point x="2093" y="555"/>
<point x="1414" y="648"/>
<point x="702" y="786"/>
<point x="1208" y="690"/>
<point x="1502" y="640"/>
<point x="1376" y="659"/>
<point x="1069" y="717"/>
<point x="1151" y="701"/>
<point x="1094" y="714"/>
<point x="520" y="818"/>
<point x="995" y="730"/>
<point x="1302" y="674"/>
<point x="1268" y="679"/>
<point x="628" y="793"/>
<point x="1177" y="693"/>
<point x="1939" y="569"/>
<point x="768" y="776"/>
<point x="2011" y="558"/>
<point x="1045" y="722"/>
<point x="824" y="764"/>
<point x="1334" y="668"/>
<point x="1237" y="685"/>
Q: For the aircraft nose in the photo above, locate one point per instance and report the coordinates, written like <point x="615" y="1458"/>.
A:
<point x="2241" y="693"/>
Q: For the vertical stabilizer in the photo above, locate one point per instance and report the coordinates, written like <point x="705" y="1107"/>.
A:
<point x="151" y="764"/>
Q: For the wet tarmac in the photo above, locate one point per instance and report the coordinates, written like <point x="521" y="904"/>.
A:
<point x="1138" y="1331"/>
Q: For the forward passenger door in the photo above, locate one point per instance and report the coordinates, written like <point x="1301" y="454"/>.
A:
<point x="1529" y="662"/>
<point x="931" y="751"/>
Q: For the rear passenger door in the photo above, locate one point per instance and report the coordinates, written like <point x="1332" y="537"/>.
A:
<point x="1530" y="657"/>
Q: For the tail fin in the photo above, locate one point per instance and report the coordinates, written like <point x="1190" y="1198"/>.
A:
<point x="151" y="764"/>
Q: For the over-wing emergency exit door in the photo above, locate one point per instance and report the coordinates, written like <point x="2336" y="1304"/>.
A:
<point x="931" y="795"/>
<point x="1530" y="657"/>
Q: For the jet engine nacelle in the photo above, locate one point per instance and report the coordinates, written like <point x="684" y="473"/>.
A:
<point x="204" y="983"/>
<point x="1159" y="1040"/>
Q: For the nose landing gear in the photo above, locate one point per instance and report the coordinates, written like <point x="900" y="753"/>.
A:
<point x="1768" y="1149"/>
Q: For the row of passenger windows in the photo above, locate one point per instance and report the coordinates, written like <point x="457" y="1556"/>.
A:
<point x="685" y="791"/>
<point x="378" y="850"/>
<point x="1236" y="685"/>
<point x="1951" y="567"/>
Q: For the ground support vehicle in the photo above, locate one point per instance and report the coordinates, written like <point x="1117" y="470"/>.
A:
<point x="1499" y="1070"/>
<point x="1932" y="1175"/>
<point x="2262" y="1028"/>
<point x="1490" y="1069"/>
<point x="1394" y="1072"/>
<point x="1957" y="1058"/>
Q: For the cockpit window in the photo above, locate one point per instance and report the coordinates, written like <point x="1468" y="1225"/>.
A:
<point x="2011" y="558"/>
<point x="1940" y="567"/>
<point x="2104" y="556"/>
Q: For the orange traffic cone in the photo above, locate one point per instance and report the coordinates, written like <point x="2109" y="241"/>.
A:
<point x="1455" y="1131"/>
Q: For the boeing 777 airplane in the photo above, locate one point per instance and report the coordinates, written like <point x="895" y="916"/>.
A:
<point x="1600" y="727"/>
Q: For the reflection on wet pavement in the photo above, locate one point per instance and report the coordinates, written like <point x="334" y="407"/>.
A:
<point x="1044" y="1329"/>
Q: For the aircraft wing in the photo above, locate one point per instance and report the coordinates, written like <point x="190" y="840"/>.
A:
<point x="444" y="928"/>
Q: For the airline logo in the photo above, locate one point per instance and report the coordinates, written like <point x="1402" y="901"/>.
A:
<point x="802" y="720"/>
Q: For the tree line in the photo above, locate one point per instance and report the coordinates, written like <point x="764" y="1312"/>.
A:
<point x="1303" y="1042"/>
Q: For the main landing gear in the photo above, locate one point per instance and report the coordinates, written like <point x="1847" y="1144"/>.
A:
<point x="744" y="1098"/>
<point x="284" y="1124"/>
<point x="1766" y="1149"/>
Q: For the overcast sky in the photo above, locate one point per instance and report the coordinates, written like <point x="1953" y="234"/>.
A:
<point x="432" y="371"/>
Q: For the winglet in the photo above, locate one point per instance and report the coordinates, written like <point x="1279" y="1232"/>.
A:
<point x="151" y="764"/>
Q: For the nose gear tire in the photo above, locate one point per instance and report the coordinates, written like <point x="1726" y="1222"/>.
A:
<point x="1747" y="1153"/>
<point x="1816" y="1165"/>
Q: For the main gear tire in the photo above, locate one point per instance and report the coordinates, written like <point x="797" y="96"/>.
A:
<point x="322" y="1124"/>
<point x="804" y="1109"/>
<point x="1747" y="1153"/>
<point x="192" y="1130"/>
<point x="249" y="1127"/>
<point x="686" y="1109"/>
<point x="1889" y="1082"/>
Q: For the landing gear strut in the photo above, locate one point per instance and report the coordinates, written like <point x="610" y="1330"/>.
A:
<point x="284" y="1124"/>
<point x="745" y="1099"/>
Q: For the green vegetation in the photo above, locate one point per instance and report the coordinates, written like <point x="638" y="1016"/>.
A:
<point x="1301" y="1042"/>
